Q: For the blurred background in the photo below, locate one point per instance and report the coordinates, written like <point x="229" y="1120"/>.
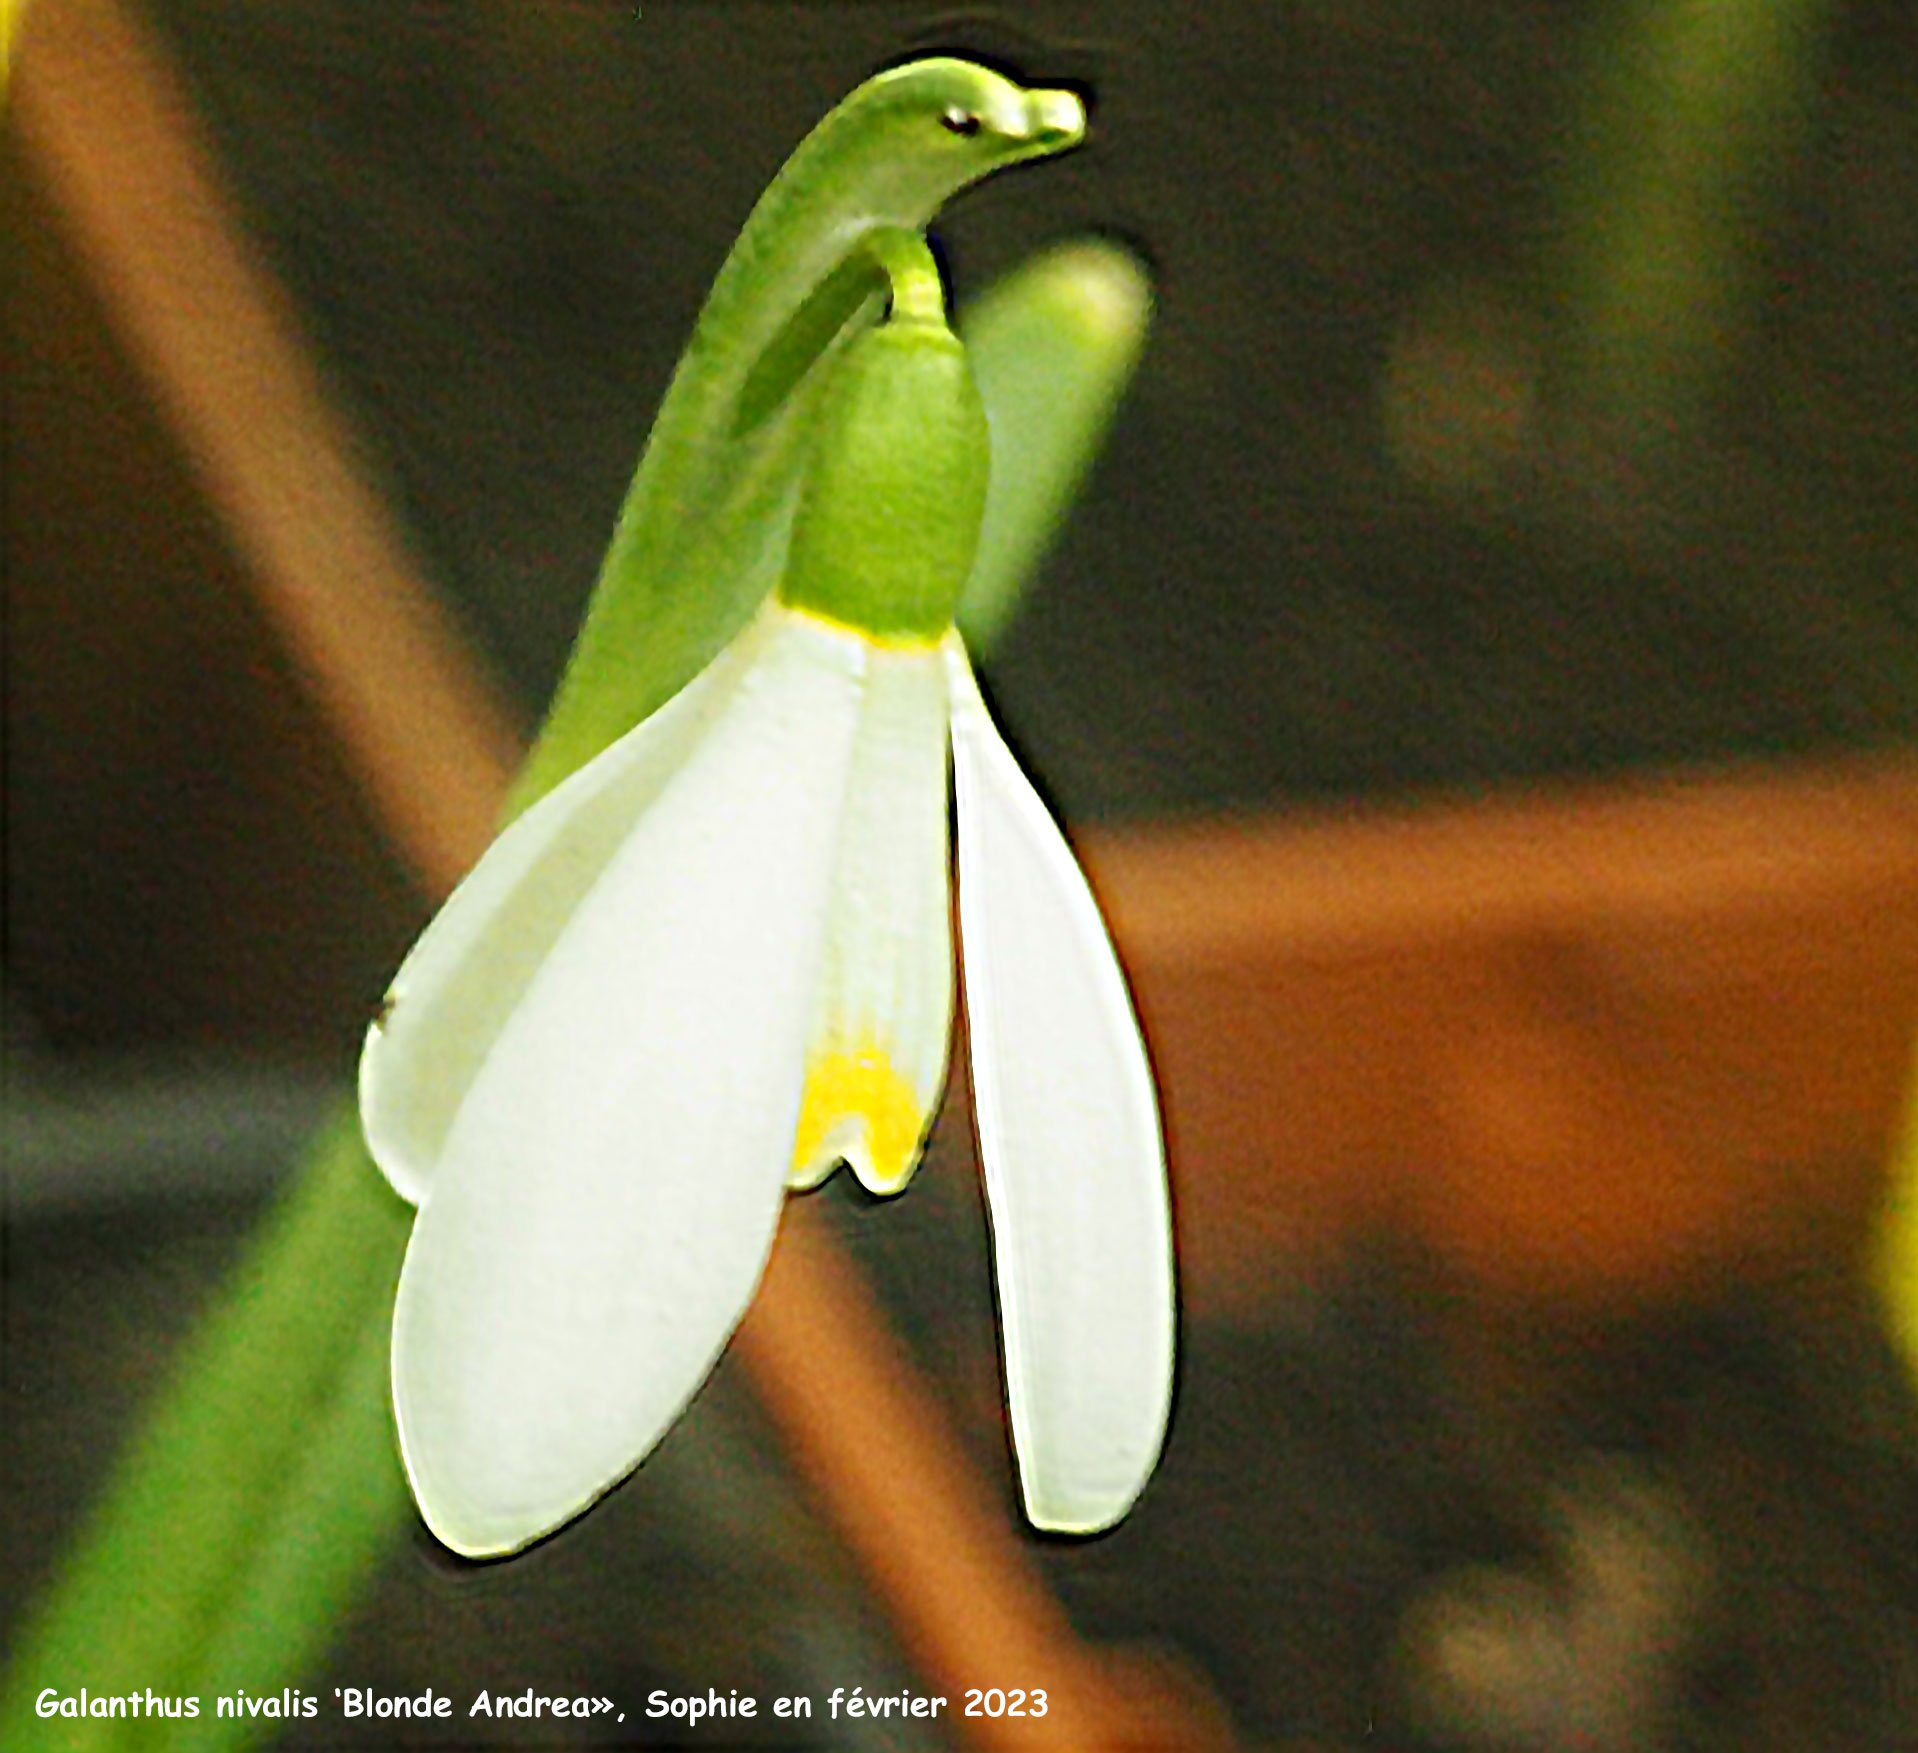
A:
<point x="1479" y="671"/>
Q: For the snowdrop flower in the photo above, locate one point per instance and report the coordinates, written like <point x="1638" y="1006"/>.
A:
<point x="715" y="964"/>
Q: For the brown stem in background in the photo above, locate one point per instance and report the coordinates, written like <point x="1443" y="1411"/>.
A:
<point x="106" y="128"/>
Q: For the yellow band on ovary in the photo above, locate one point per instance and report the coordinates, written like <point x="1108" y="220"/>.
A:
<point x="880" y="641"/>
<point x="858" y="1107"/>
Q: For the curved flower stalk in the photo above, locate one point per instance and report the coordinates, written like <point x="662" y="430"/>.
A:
<point x="714" y="963"/>
<point x="700" y="539"/>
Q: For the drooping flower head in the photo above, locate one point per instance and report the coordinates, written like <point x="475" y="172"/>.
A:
<point x="716" y="962"/>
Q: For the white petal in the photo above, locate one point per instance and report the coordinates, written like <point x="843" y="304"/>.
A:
<point x="876" y="1063"/>
<point x="1069" y="1136"/>
<point x="459" y="983"/>
<point x="609" y="1188"/>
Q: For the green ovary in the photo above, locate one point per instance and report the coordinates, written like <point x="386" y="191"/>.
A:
<point x="888" y="517"/>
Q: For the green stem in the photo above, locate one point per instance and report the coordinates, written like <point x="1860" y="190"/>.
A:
<point x="344" y="1503"/>
<point x="1894" y="1255"/>
<point x="176" y="1541"/>
<point x="918" y="294"/>
<point x="1680" y="141"/>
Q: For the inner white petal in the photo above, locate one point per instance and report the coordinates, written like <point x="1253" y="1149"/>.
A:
<point x="876" y="1063"/>
<point x="610" y="1186"/>
<point x="1070" y="1143"/>
<point x="470" y="967"/>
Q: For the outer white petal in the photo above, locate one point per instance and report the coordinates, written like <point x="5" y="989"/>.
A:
<point x="609" y="1188"/>
<point x="1069" y="1136"/>
<point x="460" y="982"/>
<point x="876" y="1063"/>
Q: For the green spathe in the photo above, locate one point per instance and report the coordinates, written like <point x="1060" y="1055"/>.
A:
<point x="889" y="515"/>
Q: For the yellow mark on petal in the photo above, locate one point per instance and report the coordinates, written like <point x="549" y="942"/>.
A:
<point x="857" y="1109"/>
